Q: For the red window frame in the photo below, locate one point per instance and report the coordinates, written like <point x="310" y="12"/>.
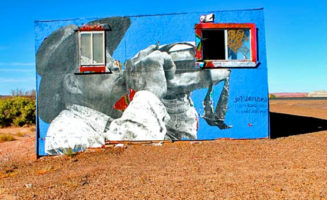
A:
<point x="93" y="68"/>
<point x="206" y="26"/>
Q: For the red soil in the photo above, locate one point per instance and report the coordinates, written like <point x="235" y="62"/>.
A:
<point x="292" y="167"/>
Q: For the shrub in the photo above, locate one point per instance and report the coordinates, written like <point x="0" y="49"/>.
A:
<point x="20" y="134"/>
<point x="6" y="138"/>
<point x="17" y="111"/>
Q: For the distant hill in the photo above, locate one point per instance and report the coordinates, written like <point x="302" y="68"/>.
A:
<point x="320" y="93"/>
<point x="290" y="94"/>
<point x="10" y="96"/>
<point x="4" y="96"/>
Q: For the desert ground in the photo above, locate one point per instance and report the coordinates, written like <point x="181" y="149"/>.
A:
<point x="291" y="165"/>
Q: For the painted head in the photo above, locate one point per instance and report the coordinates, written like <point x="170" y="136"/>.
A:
<point x="57" y="62"/>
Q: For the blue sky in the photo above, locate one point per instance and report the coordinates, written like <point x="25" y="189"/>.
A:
<point x="296" y="35"/>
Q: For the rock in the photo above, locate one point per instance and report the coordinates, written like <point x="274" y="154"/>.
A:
<point x="144" y="119"/>
<point x="75" y="129"/>
<point x="196" y="142"/>
<point x="119" y="145"/>
<point x="158" y="144"/>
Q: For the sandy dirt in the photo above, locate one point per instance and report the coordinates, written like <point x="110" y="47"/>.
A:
<point x="293" y="167"/>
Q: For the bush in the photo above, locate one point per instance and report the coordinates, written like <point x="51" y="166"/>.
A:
<point x="20" y="134"/>
<point x="6" y="138"/>
<point x="17" y="111"/>
<point x="272" y="96"/>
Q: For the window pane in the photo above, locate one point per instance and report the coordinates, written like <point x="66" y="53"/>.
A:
<point x="86" y="49"/>
<point x="98" y="53"/>
<point x="213" y="42"/>
<point x="238" y="42"/>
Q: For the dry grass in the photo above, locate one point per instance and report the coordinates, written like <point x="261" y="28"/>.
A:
<point x="32" y="129"/>
<point x="20" y="134"/>
<point x="6" y="137"/>
<point x="45" y="169"/>
<point x="8" y="166"/>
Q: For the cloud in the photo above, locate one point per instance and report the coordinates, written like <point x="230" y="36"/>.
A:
<point x="17" y="64"/>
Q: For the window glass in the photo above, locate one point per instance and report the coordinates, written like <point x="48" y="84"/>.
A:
<point x="86" y="57"/>
<point x="98" y="54"/>
<point x="213" y="42"/>
<point x="238" y="42"/>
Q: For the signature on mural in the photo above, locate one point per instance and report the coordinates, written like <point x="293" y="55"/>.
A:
<point x="236" y="39"/>
<point x="250" y="104"/>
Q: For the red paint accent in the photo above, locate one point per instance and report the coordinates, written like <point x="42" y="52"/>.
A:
<point x="253" y="31"/>
<point x="131" y="94"/>
<point x="224" y="25"/>
<point x="198" y="32"/>
<point x="198" y="54"/>
<point x="254" y="44"/>
<point x="91" y="28"/>
<point x="92" y="68"/>
<point x="209" y="64"/>
<point x="122" y="104"/>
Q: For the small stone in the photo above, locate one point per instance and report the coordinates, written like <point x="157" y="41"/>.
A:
<point x="196" y="142"/>
<point x="158" y="144"/>
<point x="119" y="146"/>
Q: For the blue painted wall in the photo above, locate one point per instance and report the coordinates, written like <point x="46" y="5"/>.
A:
<point x="247" y="112"/>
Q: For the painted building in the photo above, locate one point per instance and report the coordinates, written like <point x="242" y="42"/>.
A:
<point x="186" y="76"/>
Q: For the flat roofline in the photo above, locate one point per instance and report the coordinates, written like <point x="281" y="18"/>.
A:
<point x="151" y="15"/>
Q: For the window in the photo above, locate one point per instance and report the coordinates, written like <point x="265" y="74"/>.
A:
<point x="92" y="48"/>
<point x="226" y="45"/>
<point x="213" y="42"/>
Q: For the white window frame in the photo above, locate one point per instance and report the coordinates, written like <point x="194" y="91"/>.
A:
<point x="226" y="47"/>
<point x="91" y="47"/>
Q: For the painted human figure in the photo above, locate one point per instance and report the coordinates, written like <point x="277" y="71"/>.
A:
<point x="168" y="71"/>
<point x="78" y="108"/>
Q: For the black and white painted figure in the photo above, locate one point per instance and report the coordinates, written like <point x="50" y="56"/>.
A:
<point x="80" y="108"/>
<point x="57" y="60"/>
<point x="168" y="71"/>
<point x="191" y="79"/>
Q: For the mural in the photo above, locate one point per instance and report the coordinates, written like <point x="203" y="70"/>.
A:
<point x="124" y="78"/>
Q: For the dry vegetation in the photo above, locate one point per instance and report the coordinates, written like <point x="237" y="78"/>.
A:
<point x="6" y="138"/>
<point x="292" y="167"/>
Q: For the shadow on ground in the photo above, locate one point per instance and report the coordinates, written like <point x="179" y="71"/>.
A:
<point x="282" y="125"/>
